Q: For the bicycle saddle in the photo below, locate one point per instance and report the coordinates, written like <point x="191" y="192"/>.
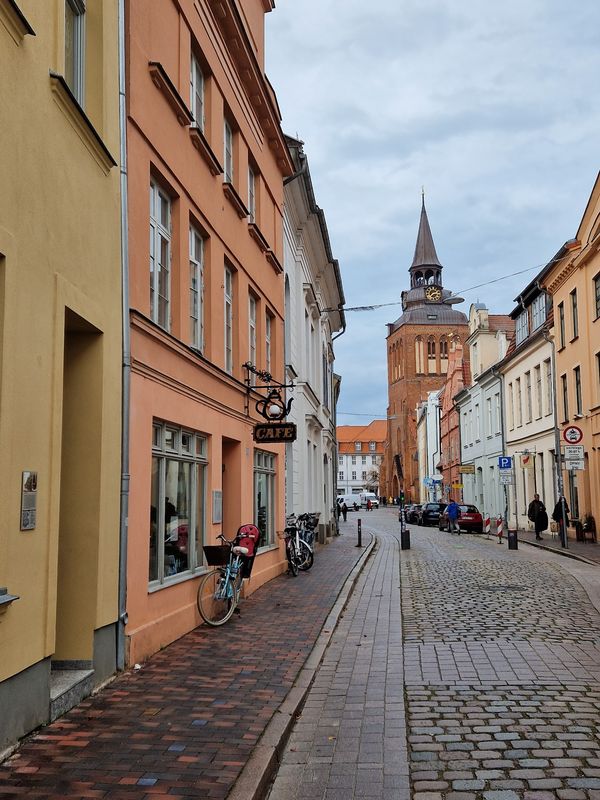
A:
<point x="240" y="551"/>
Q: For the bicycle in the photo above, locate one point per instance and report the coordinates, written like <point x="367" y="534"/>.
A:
<point x="298" y="551"/>
<point x="219" y="590"/>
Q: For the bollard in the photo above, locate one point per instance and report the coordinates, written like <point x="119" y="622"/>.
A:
<point x="404" y="539"/>
<point x="359" y="534"/>
<point x="487" y="526"/>
<point x="500" y="529"/>
<point x="513" y="542"/>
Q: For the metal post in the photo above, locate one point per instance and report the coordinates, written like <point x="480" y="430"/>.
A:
<point x="359" y="533"/>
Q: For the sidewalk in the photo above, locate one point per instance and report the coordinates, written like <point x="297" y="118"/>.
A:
<point x="586" y="551"/>
<point x="186" y="724"/>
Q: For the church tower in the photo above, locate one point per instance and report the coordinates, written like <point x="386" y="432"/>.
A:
<point x="418" y="344"/>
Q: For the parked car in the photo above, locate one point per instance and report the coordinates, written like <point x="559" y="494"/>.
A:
<point x="429" y="513"/>
<point x="470" y="519"/>
<point x="411" y="512"/>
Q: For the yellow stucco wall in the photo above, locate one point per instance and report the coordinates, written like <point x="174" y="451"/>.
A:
<point x="60" y="303"/>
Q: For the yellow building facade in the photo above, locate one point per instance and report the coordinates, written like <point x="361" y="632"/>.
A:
<point x="574" y="282"/>
<point x="60" y="355"/>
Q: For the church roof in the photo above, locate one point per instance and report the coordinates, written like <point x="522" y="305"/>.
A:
<point x="425" y="255"/>
<point x="430" y="314"/>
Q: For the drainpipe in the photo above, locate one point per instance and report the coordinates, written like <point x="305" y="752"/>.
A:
<point x="500" y="376"/>
<point x="126" y="363"/>
<point x="557" y="455"/>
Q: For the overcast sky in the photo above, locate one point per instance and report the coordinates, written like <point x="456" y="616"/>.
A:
<point x="494" y="108"/>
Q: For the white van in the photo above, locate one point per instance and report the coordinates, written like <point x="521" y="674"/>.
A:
<point x="366" y="496"/>
<point x="352" y="501"/>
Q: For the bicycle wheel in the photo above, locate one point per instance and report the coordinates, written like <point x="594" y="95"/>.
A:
<point x="307" y="556"/>
<point x="292" y="557"/>
<point x="218" y="596"/>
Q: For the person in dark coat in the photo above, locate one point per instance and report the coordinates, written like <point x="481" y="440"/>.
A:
<point x="344" y="511"/>
<point x="537" y="514"/>
<point x="557" y="516"/>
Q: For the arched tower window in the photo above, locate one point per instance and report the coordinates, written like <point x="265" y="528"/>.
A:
<point x="400" y="359"/>
<point x="431" y="366"/>
<point x="444" y="355"/>
<point x="419" y="359"/>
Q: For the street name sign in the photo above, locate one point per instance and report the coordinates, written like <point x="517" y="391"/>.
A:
<point x="466" y="469"/>
<point x="505" y="462"/>
<point x="572" y="434"/>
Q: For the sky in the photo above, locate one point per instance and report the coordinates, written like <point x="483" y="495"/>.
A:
<point x="492" y="108"/>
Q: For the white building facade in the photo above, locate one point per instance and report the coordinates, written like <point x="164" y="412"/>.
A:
<point x="529" y="421"/>
<point x="428" y="448"/>
<point x="313" y="319"/>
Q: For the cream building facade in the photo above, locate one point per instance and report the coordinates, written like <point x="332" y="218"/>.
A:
<point x="60" y="356"/>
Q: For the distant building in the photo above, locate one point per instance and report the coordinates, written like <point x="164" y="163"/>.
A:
<point x="428" y="447"/>
<point x="458" y="376"/>
<point x="360" y="453"/>
<point x="418" y="347"/>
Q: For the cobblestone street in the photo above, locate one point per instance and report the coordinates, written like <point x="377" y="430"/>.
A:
<point x="500" y="666"/>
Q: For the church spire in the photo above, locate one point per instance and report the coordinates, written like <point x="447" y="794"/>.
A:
<point x="425" y="267"/>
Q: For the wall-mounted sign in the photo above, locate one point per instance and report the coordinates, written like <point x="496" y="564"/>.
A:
<point x="466" y="469"/>
<point x="275" y="432"/>
<point x="28" y="500"/>
<point x="506" y="478"/>
<point x="217" y="509"/>
<point x="573" y="452"/>
<point x="505" y="462"/>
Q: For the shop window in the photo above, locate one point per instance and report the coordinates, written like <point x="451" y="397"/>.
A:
<point x="177" y="502"/>
<point x="264" y="496"/>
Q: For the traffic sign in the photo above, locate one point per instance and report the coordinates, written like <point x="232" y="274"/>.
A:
<point x="506" y="478"/>
<point x="575" y="464"/>
<point x="505" y="462"/>
<point x="573" y="452"/>
<point x="572" y="434"/>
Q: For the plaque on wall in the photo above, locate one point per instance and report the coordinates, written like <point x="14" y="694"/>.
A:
<point x="28" y="500"/>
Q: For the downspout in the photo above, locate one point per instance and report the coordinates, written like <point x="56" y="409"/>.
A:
<point x="500" y="376"/>
<point x="126" y="363"/>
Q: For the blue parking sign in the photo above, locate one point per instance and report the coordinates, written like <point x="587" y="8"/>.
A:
<point x="505" y="462"/>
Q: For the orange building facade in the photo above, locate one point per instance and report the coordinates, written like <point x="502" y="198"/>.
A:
<point x="206" y="162"/>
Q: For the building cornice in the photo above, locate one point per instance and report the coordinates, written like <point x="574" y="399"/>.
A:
<point x="15" y="21"/>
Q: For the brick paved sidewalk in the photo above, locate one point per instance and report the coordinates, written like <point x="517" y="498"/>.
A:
<point x="186" y="723"/>
<point x="589" y="551"/>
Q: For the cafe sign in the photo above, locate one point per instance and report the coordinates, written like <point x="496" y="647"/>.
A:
<point x="275" y="432"/>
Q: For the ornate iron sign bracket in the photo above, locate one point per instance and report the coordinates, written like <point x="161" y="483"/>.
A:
<point x="272" y="406"/>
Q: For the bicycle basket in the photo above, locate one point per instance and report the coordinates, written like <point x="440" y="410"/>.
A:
<point x="216" y="554"/>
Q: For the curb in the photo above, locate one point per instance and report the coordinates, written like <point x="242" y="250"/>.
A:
<point x="260" y="767"/>
<point x="562" y="552"/>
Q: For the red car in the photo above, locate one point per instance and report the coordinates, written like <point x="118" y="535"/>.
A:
<point x="470" y="519"/>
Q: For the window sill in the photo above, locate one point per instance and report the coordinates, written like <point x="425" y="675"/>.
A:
<point x="15" y="22"/>
<point x="6" y="599"/>
<point x="201" y="144"/>
<point x="235" y="200"/>
<point x="561" y="348"/>
<point x="175" y="580"/>
<point x="267" y="548"/>
<point x="81" y="123"/>
<point x="162" y="81"/>
<point x="274" y="261"/>
<point x="574" y="339"/>
<point x="256" y="234"/>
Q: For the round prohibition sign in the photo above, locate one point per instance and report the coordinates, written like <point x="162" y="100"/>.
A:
<point x="572" y="434"/>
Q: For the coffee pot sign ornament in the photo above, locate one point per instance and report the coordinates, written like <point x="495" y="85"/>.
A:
<point x="273" y="407"/>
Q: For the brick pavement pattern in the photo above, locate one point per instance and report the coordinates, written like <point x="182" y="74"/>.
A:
<point x="350" y="740"/>
<point x="185" y="724"/>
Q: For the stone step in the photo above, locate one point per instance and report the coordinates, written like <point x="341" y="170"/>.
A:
<point x="68" y="687"/>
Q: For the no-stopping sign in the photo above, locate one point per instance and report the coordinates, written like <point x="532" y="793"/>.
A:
<point x="572" y="434"/>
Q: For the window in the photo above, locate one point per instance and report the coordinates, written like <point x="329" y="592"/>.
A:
<point x="251" y="195"/>
<point x="597" y="295"/>
<point x="340" y="476"/>
<point x="528" y="398"/>
<point x="511" y="406"/>
<point x="197" y="93"/>
<point x="196" y="289"/>
<point x="228" y="152"/>
<point x="549" y="387"/>
<point x="268" y="335"/>
<point x="538" y="312"/>
<point x="373" y="459"/>
<point x="490" y="421"/>
<point x="363" y="459"/>
<point x="561" y="325"/>
<point x="372" y="446"/>
<point x="353" y="459"/>
<point x="340" y="460"/>
<point x="519" y="402"/>
<point x="522" y="328"/>
<point x="574" y="314"/>
<point x="177" y="501"/>
<point x="565" y="397"/>
<point x="160" y="255"/>
<point x="363" y="475"/>
<point x="252" y="331"/>
<point x="431" y="355"/>
<point x="498" y="412"/>
<point x="264" y="496"/>
<point x="358" y="446"/>
<point x="353" y="475"/>
<point x="474" y="359"/>
<point x="419" y="355"/>
<point x="538" y="391"/>
<point x="75" y="48"/>
<point x="477" y="422"/>
<point x="228" y="320"/>
<point x="578" y="400"/>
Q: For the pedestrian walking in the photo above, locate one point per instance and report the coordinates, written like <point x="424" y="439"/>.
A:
<point x="369" y="505"/>
<point x="536" y="513"/>
<point x="453" y="512"/>
<point x="344" y="510"/>
<point x="557" y="516"/>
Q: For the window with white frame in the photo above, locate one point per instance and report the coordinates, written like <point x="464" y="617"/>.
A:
<point x="197" y="92"/>
<point x="498" y="413"/>
<point x="354" y="459"/>
<point x="522" y="327"/>
<point x="251" y="195"/>
<point x="177" y="501"/>
<point x="264" y="496"/>
<point x="549" y="388"/>
<point x="228" y="152"/>
<point x="75" y="48"/>
<point x="353" y="475"/>
<point x="372" y="446"/>
<point x="341" y="475"/>
<point x="488" y="405"/>
<point x="268" y="340"/>
<point x="373" y="459"/>
<point x="477" y="423"/>
<point x="252" y="335"/>
<point x="364" y="475"/>
<point x="196" y="289"/>
<point x="538" y="391"/>
<point x="511" y="406"/>
<point x="538" y="311"/>
<point x="574" y="314"/>
<point x="160" y="255"/>
<point x="578" y="397"/>
<point x="358" y="446"/>
<point x="341" y="460"/>
<point x="363" y="459"/>
<point x="228" y="298"/>
<point x="528" y="397"/>
<point x="519" y="401"/>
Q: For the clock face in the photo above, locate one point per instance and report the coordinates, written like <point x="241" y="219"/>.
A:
<point x="433" y="293"/>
